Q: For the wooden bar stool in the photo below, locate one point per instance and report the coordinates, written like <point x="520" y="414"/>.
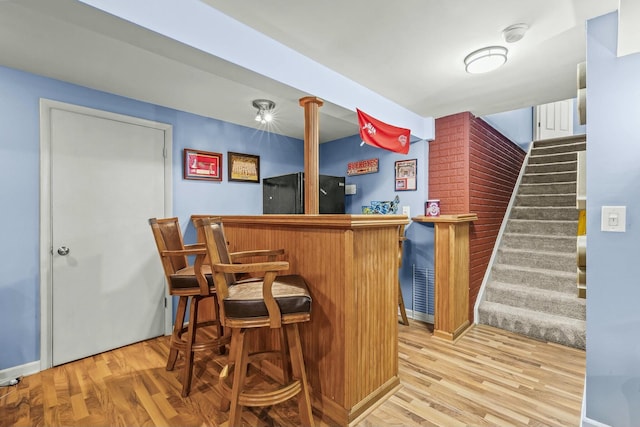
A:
<point x="266" y="301"/>
<point x="182" y="282"/>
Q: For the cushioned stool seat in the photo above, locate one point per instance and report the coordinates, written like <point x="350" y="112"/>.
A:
<point x="185" y="278"/>
<point x="245" y="297"/>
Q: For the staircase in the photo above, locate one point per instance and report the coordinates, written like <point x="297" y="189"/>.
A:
<point x="531" y="288"/>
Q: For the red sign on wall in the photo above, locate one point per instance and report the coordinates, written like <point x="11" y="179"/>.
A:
<point x="362" y="167"/>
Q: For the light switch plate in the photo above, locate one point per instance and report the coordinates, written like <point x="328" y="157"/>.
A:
<point x="614" y="218"/>
<point x="406" y="210"/>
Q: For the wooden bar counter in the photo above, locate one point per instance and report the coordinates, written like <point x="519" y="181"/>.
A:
<point x="350" y="263"/>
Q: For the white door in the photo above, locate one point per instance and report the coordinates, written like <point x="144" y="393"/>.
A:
<point x="554" y="120"/>
<point x="107" y="177"/>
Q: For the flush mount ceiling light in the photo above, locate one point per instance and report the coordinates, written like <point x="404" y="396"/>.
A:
<point x="265" y="110"/>
<point x="485" y="59"/>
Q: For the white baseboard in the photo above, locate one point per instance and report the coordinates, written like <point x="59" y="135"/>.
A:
<point x="20" y="371"/>
<point x="427" y="318"/>
<point x="588" y="422"/>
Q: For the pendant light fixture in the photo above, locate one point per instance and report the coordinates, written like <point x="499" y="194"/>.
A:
<point x="265" y="110"/>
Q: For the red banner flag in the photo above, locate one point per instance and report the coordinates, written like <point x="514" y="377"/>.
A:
<point x="381" y="135"/>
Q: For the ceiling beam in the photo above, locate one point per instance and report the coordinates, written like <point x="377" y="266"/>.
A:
<point x="194" y="23"/>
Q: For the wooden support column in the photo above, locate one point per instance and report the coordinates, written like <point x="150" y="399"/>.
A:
<point x="311" y="106"/>
<point x="451" y="316"/>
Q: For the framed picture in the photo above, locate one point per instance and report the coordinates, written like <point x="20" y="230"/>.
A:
<point x="202" y="165"/>
<point x="243" y="167"/>
<point x="406" y="172"/>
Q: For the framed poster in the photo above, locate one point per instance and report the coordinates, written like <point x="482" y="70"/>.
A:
<point x="202" y="165"/>
<point x="243" y="167"/>
<point x="406" y="172"/>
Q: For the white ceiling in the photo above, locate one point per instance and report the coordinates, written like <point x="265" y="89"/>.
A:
<point x="410" y="52"/>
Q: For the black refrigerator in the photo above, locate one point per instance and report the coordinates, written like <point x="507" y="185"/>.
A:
<point x="285" y="194"/>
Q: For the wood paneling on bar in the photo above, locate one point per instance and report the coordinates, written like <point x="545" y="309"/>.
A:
<point x="350" y="263"/>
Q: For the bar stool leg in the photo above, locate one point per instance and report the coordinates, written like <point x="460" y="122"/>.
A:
<point x="241" y="356"/>
<point x="403" y="311"/>
<point x="284" y="357"/>
<point x="177" y="327"/>
<point x="224" y="374"/>
<point x="297" y="366"/>
<point x="220" y="328"/>
<point x="188" y="352"/>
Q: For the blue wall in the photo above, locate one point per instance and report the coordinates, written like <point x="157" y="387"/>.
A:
<point x="20" y="93"/>
<point x="418" y="248"/>
<point x="335" y="155"/>
<point x="613" y="177"/>
<point x="517" y="125"/>
<point x="20" y="182"/>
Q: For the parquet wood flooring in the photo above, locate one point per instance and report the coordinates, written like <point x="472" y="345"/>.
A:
<point x="489" y="377"/>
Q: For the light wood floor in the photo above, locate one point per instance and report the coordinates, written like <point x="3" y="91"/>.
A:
<point x="487" y="378"/>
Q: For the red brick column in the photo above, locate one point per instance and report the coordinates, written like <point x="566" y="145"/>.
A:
<point x="448" y="164"/>
<point x="473" y="168"/>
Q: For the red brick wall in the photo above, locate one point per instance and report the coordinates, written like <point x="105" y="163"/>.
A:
<point x="448" y="164"/>
<point x="494" y="166"/>
<point x="473" y="168"/>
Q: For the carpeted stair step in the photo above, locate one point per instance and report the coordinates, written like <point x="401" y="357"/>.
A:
<point x="539" y="242"/>
<point x="546" y="200"/>
<point x="547" y="227"/>
<point x="559" y="281"/>
<point x="557" y="261"/>
<point x="546" y="327"/>
<point x="552" y="167"/>
<point x="565" y="213"/>
<point x="541" y="150"/>
<point x="573" y="143"/>
<point x="548" y="188"/>
<point x="531" y="298"/>
<point x="531" y="288"/>
<point x="553" y="177"/>
<point x="536" y="159"/>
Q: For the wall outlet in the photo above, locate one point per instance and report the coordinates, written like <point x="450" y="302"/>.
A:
<point x="406" y="210"/>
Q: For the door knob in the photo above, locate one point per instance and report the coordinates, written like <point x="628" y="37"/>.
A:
<point x="63" y="250"/>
